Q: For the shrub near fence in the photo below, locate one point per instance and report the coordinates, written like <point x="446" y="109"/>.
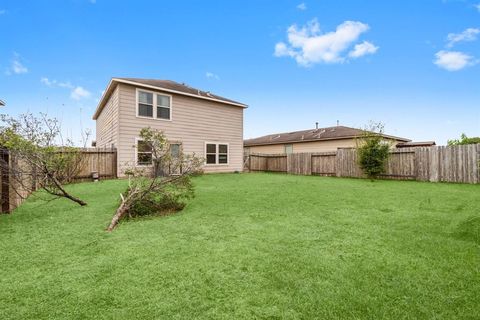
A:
<point x="101" y="161"/>
<point x="436" y="164"/>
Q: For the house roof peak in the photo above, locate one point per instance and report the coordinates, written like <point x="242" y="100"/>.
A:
<point x="169" y="86"/>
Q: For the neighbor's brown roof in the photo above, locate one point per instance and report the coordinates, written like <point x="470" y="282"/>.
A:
<point x="164" y="85"/>
<point x="330" y="133"/>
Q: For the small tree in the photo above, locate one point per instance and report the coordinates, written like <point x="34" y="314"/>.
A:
<point x="42" y="159"/>
<point x="373" y="150"/>
<point x="154" y="192"/>
<point x="463" y="140"/>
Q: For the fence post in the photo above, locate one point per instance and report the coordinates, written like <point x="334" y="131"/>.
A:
<point x="311" y="165"/>
<point x="5" y="177"/>
<point x="434" y="165"/>
<point x="114" y="162"/>
<point x="477" y="163"/>
<point x="338" y="163"/>
<point x="289" y="155"/>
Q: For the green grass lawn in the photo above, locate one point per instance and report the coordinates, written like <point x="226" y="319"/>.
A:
<point x="249" y="246"/>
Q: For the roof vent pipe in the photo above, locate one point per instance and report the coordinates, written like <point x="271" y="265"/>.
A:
<point x="338" y="123"/>
<point x="316" y="125"/>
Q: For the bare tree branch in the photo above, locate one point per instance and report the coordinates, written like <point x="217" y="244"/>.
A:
<point x="40" y="158"/>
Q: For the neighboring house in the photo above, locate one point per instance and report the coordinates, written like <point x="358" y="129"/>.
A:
<point x="193" y="120"/>
<point x="313" y="140"/>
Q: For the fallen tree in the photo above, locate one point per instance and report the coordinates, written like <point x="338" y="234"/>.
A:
<point x="164" y="188"/>
<point x="42" y="159"/>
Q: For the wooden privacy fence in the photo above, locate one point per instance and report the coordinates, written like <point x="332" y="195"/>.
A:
<point x="436" y="164"/>
<point x="101" y="161"/>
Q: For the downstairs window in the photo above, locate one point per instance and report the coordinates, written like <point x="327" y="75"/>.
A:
<point x="216" y="153"/>
<point x="144" y="153"/>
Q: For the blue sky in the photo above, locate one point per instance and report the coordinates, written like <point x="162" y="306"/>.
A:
<point x="414" y="65"/>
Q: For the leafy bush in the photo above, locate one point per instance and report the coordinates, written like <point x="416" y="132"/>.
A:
<point x="172" y="198"/>
<point x="373" y="151"/>
<point x="463" y="140"/>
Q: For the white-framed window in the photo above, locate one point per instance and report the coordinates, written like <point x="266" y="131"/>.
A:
<point x="175" y="149"/>
<point x="154" y="105"/>
<point x="163" y="106"/>
<point x="216" y="153"/>
<point x="288" y="148"/>
<point x="144" y="154"/>
<point x="145" y="104"/>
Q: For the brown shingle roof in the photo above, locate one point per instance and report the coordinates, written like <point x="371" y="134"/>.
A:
<point x="180" y="87"/>
<point x="330" y="133"/>
<point x="165" y="85"/>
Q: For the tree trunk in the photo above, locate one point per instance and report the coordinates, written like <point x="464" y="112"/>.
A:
<point x="65" y="193"/>
<point x="121" y="212"/>
<point x="74" y="199"/>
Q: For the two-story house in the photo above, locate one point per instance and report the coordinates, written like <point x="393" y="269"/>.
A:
<point x="194" y="120"/>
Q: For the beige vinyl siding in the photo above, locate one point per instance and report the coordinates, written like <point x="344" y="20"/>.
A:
<point x="274" y="148"/>
<point x="193" y="123"/>
<point x="107" y="123"/>
<point x="323" y="146"/>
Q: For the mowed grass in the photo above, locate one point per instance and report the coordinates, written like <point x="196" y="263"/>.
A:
<point x="249" y="246"/>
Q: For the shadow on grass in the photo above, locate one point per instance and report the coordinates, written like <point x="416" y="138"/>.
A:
<point x="469" y="230"/>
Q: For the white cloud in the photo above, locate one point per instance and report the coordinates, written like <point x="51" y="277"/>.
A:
<point x="80" y="93"/>
<point x="211" y="75"/>
<point x="67" y="85"/>
<point x="55" y="83"/>
<point x="307" y="45"/>
<point x="77" y="92"/>
<point x="302" y="6"/>
<point x="16" y="67"/>
<point x="469" y="34"/>
<point x="93" y="1"/>
<point x="47" y="82"/>
<point x="453" y="60"/>
<point x="362" y="49"/>
<point x="478" y="6"/>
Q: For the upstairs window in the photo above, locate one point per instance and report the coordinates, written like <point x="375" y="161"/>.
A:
<point x="163" y="107"/>
<point x="216" y="153"/>
<point x="144" y="153"/>
<point x="145" y="104"/>
<point x="155" y="106"/>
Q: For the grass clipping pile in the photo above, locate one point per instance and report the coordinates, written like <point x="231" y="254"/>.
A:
<point x="165" y="187"/>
